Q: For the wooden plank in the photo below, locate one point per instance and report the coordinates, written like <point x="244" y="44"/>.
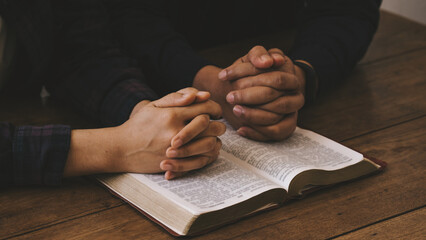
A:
<point x="402" y="76"/>
<point x="324" y="214"/>
<point x="122" y="222"/>
<point x="395" y="35"/>
<point x="377" y="95"/>
<point x="408" y="226"/>
<point x="30" y="208"/>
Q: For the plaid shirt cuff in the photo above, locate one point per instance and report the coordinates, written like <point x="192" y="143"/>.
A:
<point x="39" y="154"/>
<point x="120" y="101"/>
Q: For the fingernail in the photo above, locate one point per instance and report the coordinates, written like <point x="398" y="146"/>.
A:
<point x="202" y="93"/>
<point x="264" y="58"/>
<point x="177" y="143"/>
<point x="172" y="153"/>
<point x="241" y="132"/>
<point x="222" y="75"/>
<point x="230" y="98"/>
<point x="169" y="175"/>
<point x="238" y="110"/>
<point x="166" y="167"/>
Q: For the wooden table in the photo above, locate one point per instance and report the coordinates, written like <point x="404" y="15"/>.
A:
<point x="379" y="111"/>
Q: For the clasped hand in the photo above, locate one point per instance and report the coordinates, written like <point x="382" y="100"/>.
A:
<point x="173" y="134"/>
<point x="267" y="91"/>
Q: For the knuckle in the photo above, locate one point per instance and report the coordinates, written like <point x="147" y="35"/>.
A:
<point x="247" y="114"/>
<point x="204" y="120"/>
<point x="238" y="84"/>
<point x="183" y="152"/>
<point x="269" y="91"/>
<point x="170" y="115"/>
<point x="238" y="96"/>
<point x="222" y="129"/>
<point x="253" y="69"/>
<point x="279" y="79"/>
<point x="178" y="167"/>
<point x="211" y="143"/>
<point x="219" y="128"/>
<point x="231" y="71"/>
<point x="283" y="105"/>
<point x="201" y="161"/>
<point x="274" y="132"/>
<point x="276" y="118"/>
<point x="218" y="145"/>
<point x="277" y="50"/>
<point x="207" y="160"/>
<point x="257" y="48"/>
<point x="188" y="90"/>
<point x="295" y="81"/>
<point x="191" y="89"/>
<point x="287" y="59"/>
<point x="214" y="107"/>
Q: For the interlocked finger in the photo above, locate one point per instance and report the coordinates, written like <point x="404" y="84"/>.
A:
<point x="275" y="79"/>
<point x="284" y="104"/>
<point x="256" y="116"/>
<point x="197" y="125"/>
<point x="199" y="146"/>
<point x="253" y="95"/>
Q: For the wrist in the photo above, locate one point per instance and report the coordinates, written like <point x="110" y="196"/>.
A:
<point x="310" y="80"/>
<point x="92" y="151"/>
<point x="301" y="76"/>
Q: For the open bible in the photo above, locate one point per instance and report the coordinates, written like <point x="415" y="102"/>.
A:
<point x="247" y="177"/>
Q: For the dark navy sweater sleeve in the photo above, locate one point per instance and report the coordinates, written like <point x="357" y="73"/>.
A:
<point x="334" y="35"/>
<point x="90" y="68"/>
<point x="144" y="31"/>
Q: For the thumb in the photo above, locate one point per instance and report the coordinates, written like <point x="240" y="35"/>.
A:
<point x="183" y="97"/>
<point x="260" y="57"/>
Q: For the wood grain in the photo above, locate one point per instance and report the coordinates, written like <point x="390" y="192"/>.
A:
<point x="31" y="208"/>
<point x="380" y="111"/>
<point x="395" y="36"/>
<point x="327" y="213"/>
<point x="377" y="95"/>
<point x="414" y="222"/>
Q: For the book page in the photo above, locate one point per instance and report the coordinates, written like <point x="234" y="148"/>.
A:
<point x="220" y="184"/>
<point x="281" y="161"/>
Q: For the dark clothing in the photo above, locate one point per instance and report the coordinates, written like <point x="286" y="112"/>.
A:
<point x="108" y="55"/>
<point x="67" y="46"/>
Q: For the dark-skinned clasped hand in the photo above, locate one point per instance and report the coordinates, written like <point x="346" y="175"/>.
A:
<point x="267" y="92"/>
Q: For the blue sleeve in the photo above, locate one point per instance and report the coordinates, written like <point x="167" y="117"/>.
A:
<point x="33" y="155"/>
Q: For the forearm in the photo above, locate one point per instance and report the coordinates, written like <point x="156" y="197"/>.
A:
<point x="91" y="151"/>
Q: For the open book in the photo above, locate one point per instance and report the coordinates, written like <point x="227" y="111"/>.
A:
<point x="248" y="177"/>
